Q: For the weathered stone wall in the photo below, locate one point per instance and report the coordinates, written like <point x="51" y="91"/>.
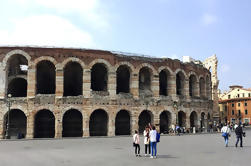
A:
<point x="111" y="102"/>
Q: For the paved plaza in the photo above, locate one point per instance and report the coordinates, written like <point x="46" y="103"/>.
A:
<point x="192" y="150"/>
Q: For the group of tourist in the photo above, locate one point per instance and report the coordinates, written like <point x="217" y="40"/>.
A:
<point x="226" y="133"/>
<point x="151" y="138"/>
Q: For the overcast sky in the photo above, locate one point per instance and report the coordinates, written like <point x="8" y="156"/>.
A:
<point x="160" y="28"/>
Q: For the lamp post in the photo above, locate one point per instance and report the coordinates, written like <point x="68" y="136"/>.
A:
<point x="8" y="103"/>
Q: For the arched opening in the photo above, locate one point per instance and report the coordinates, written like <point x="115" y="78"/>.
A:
<point x="180" y="83"/>
<point x="17" y="123"/>
<point x="192" y="86"/>
<point x="144" y="79"/>
<point x="73" y="79"/>
<point x="98" y="123"/>
<point x="45" y="78"/>
<point x="44" y="124"/>
<point x="123" y="79"/>
<point x="99" y="77"/>
<point x="17" y="87"/>
<point x="208" y="88"/>
<point x="122" y="123"/>
<point x="163" y="82"/>
<point x="72" y="124"/>
<point x="165" y="122"/>
<point x="17" y="67"/>
<point x="202" y="87"/>
<point x="145" y="118"/>
<point x="182" y="119"/>
<point x="193" y="119"/>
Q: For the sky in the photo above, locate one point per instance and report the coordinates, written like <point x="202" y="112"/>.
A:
<point x="158" y="28"/>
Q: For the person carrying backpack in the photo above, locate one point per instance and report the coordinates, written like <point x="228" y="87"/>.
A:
<point x="239" y="133"/>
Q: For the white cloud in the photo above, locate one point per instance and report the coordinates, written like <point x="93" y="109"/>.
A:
<point x="90" y="11"/>
<point x="225" y="68"/>
<point x="208" y="19"/>
<point x="45" y="30"/>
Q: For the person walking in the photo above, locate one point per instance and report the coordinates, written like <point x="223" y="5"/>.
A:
<point x="225" y="130"/>
<point x="239" y="133"/>
<point x="153" y="142"/>
<point x="147" y="141"/>
<point x="136" y="143"/>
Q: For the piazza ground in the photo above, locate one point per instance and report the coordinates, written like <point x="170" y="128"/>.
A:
<point x="192" y="150"/>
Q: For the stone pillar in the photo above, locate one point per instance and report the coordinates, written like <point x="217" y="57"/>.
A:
<point x="111" y="125"/>
<point x="174" y="118"/>
<point x="156" y="122"/>
<point x="172" y="86"/>
<point x="87" y="83"/>
<point x="30" y="125"/>
<point x="112" y="84"/>
<point x="134" y="123"/>
<point x="187" y="121"/>
<point x="86" y="118"/>
<point x="59" y="82"/>
<point x="155" y="86"/>
<point x="58" y="125"/>
<point x="186" y="88"/>
<point x="31" y="81"/>
<point x="135" y="85"/>
<point x="2" y="81"/>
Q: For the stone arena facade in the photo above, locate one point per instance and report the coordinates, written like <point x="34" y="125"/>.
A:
<point x="63" y="92"/>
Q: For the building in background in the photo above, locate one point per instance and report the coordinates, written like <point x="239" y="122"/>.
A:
<point x="235" y="105"/>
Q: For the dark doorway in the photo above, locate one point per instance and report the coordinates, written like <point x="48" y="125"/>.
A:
<point x="145" y="118"/>
<point x="193" y="119"/>
<point x="192" y="86"/>
<point x="72" y="124"/>
<point x="163" y="78"/>
<point x="122" y="123"/>
<point x="17" y="123"/>
<point x="73" y="79"/>
<point x="180" y="78"/>
<point x="18" y="87"/>
<point x="123" y="79"/>
<point x="165" y="122"/>
<point x="45" y="77"/>
<point x="181" y="119"/>
<point x="202" y="88"/>
<point x="98" y="123"/>
<point x="14" y="65"/>
<point x="99" y="77"/>
<point x="44" y="124"/>
<point x="144" y="79"/>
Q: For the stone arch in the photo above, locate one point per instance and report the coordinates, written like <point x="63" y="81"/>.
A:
<point x="99" y="77"/>
<point x="193" y="87"/>
<point x="106" y="63"/>
<point x="72" y="59"/>
<point x="145" y="117"/>
<point x="17" y="121"/>
<point x="123" y="79"/>
<point x="165" y="80"/>
<point x="180" y="82"/>
<point x="72" y="123"/>
<point x="165" y="121"/>
<point x="122" y="123"/>
<point x="44" y="124"/>
<point x="194" y="119"/>
<point x="45" y="58"/>
<point x="130" y="66"/>
<point x="182" y="119"/>
<point x="145" y="79"/>
<point x="45" y="77"/>
<point x="73" y="79"/>
<point x="15" y="52"/>
<point x="98" y="123"/>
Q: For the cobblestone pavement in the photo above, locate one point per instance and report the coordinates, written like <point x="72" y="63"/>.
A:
<point x="192" y="150"/>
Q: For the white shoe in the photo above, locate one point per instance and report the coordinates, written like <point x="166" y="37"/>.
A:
<point x="151" y="157"/>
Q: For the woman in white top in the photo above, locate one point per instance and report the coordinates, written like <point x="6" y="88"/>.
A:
<point x="147" y="141"/>
<point x="136" y="143"/>
<point x="225" y="130"/>
<point x="153" y="141"/>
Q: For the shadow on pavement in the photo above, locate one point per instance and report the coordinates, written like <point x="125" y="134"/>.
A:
<point x="167" y="156"/>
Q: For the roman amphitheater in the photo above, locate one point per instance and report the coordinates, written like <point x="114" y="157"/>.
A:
<point x="64" y="92"/>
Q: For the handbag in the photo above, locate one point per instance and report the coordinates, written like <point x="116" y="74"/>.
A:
<point x="224" y="134"/>
<point x="134" y="144"/>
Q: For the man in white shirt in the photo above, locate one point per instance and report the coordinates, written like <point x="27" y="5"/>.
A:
<point x="153" y="141"/>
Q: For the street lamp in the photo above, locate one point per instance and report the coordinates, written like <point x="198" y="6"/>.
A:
<point x="8" y="103"/>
